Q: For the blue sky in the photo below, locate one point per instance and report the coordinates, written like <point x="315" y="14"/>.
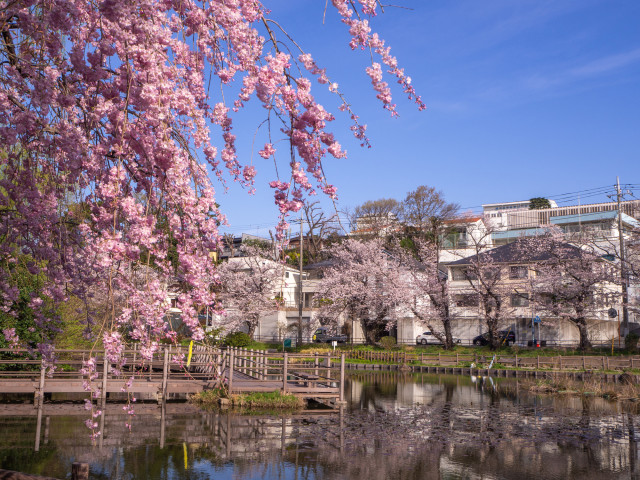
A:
<point x="524" y="98"/>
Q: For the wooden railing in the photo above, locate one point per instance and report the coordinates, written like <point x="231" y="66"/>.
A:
<point x="169" y="371"/>
<point x="297" y="373"/>
<point x="559" y="362"/>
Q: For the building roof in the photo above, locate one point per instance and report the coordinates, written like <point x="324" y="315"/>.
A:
<point x="593" y="217"/>
<point x="454" y="221"/>
<point x="513" y="234"/>
<point x="513" y="253"/>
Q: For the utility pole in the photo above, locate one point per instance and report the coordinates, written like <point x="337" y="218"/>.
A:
<point x="300" y="294"/>
<point x="623" y="267"/>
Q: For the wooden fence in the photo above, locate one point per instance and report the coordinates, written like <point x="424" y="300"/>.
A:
<point x="169" y="371"/>
<point x="559" y="362"/>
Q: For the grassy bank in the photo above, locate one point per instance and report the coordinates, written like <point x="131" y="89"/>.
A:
<point x="259" y="400"/>
<point x="267" y="400"/>
<point x="590" y="388"/>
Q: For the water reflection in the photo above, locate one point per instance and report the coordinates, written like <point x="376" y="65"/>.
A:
<point x="396" y="426"/>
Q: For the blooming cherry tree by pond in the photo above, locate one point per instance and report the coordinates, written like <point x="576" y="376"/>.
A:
<point x="362" y="283"/>
<point x="249" y="289"/>
<point x="113" y="118"/>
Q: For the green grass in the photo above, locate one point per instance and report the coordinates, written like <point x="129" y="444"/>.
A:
<point x="267" y="400"/>
<point x="258" y="400"/>
<point x="208" y="398"/>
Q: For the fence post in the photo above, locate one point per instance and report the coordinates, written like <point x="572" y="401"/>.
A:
<point x="538" y="362"/>
<point x="284" y="372"/>
<point x="40" y="398"/>
<point x="165" y="373"/>
<point x="457" y="358"/>
<point x="105" y="371"/>
<point x="231" y="361"/>
<point x="439" y="359"/>
<point x="584" y="365"/>
<point x="342" y="378"/>
<point x="560" y="362"/>
<point x="79" y="471"/>
<point x="315" y="364"/>
<point x="265" y="362"/>
<point x="242" y="357"/>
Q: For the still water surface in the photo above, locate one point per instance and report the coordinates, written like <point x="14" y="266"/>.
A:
<point x="395" y="426"/>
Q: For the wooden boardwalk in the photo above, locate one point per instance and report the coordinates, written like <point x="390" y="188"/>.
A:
<point x="239" y="370"/>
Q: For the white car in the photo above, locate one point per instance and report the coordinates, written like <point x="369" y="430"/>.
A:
<point x="428" y="338"/>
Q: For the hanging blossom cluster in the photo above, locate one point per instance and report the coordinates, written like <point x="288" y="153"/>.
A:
<point x="363" y="37"/>
<point x="111" y="126"/>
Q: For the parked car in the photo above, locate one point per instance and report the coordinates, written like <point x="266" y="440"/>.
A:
<point x="506" y="336"/>
<point x="321" y="335"/>
<point x="428" y="338"/>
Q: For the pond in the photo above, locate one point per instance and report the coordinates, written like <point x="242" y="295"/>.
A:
<point x="395" y="426"/>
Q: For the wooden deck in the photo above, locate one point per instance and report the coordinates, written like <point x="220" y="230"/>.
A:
<point x="241" y="371"/>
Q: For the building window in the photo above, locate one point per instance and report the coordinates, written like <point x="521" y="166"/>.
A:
<point x="454" y="240"/>
<point x="491" y="273"/>
<point x="468" y="300"/>
<point x="308" y="299"/>
<point x="518" y="271"/>
<point x="462" y="274"/>
<point x="519" y="299"/>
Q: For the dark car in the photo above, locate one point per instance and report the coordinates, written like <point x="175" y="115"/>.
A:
<point x="507" y="337"/>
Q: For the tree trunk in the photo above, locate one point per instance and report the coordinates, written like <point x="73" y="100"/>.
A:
<point x="251" y="328"/>
<point x="585" y="343"/>
<point x="448" y="337"/>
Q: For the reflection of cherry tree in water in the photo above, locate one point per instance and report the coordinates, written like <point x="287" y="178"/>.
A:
<point x="633" y="446"/>
<point x="376" y="390"/>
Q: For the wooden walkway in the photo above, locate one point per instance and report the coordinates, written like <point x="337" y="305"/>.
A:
<point x="240" y="370"/>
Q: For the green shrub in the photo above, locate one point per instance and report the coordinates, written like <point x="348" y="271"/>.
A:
<point x="388" y="342"/>
<point x="237" y="339"/>
<point x="208" y="398"/>
<point x="631" y="342"/>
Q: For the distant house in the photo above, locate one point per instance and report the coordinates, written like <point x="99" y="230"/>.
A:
<point x="461" y="236"/>
<point x="517" y="274"/>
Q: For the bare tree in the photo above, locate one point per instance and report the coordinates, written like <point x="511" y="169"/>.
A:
<point x="375" y="218"/>
<point x="228" y="239"/>
<point x="320" y="226"/>
<point x="426" y="210"/>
